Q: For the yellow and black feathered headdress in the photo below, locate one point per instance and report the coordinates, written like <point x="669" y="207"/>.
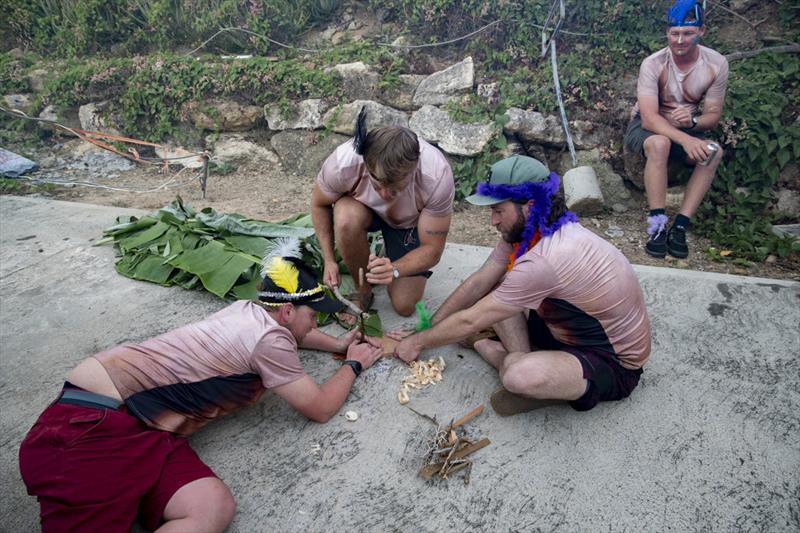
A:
<point x="286" y="279"/>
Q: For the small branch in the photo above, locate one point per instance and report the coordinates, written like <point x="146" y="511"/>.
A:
<point x="788" y="49"/>
<point x="350" y="305"/>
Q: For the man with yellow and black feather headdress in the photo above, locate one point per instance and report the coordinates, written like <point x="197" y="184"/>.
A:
<point x="113" y="444"/>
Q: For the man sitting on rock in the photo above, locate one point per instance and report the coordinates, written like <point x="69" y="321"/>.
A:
<point x="586" y="334"/>
<point x="113" y="444"/>
<point x="667" y="123"/>
<point x="387" y="180"/>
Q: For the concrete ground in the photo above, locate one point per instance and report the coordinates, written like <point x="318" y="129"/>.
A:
<point x="709" y="441"/>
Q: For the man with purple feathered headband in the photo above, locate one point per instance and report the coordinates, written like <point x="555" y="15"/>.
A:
<point x="565" y="305"/>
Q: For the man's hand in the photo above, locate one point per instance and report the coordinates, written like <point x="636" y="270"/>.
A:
<point x="379" y="270"/>
<point x="399" y="334"/>
<point x="696" y="149"/>
<point x="408" y="349"/>
<point x="681" y="117"/>
<point x="354" y="337"/>
<point x="365" y="353"/>
<point x="330" y="274"/>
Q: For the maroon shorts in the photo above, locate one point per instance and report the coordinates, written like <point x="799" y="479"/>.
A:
<point x="98" y="469"/>
<point x="608" y="380"/>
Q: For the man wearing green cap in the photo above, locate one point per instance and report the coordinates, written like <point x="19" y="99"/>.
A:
<point x="112" y="446"/>
<point x="565" y="304"/>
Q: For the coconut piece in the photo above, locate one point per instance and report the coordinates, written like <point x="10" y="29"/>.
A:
<point x="351" y="416"/>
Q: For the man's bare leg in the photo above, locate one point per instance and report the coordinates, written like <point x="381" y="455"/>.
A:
<point x="204" y="505"/>
<point x="513" y="333"/>
<point x="698" y="185"/>
<point x="656" y="151"/>
<point x="404" y="293"/>
<point x="537" y="379"/>
<point x="350" y="221"/>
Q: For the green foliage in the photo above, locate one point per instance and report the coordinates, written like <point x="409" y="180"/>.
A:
<point x="12" y="71"/>
<point x="760" y="137"/>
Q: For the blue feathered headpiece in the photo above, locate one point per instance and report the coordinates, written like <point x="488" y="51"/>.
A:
<point x="542" y="195"/>
<point x="676" y="16"/>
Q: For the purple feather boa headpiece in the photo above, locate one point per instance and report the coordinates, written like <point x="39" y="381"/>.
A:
<point x="541" y="193"/>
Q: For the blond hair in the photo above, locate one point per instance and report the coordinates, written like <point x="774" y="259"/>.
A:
<point x="391" y="153"/>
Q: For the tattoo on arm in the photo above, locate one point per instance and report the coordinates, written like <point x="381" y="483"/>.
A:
<point x="432" y="232"/>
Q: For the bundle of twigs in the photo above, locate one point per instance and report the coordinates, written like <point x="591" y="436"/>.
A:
<point x="449" y="449"/>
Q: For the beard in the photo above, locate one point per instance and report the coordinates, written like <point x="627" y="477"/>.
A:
<point x="514" y="233"/>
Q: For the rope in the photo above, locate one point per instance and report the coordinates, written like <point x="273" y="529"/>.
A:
<point x="390" y="45"/>
<point x="164" y="185"/>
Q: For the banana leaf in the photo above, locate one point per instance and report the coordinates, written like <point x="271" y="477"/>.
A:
<point x="221" y="253"/>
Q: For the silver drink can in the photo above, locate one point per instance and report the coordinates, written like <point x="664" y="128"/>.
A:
<point x="713" y="148"/>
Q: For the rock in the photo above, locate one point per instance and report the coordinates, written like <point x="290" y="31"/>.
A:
<point x="436" y="126"/>
<point x="337" y="38"/>
<point x="441" y="86"/>
<point x="302" y="152"/>
<point x="614" y="232"/>
<point x="620" y="208"/>
<point x="535" y="127"/>
<point x="359" y="82"/>
<point x="513" y="147"/>
<point x="224" y="115"/>
<point x="82" y="155"/>
<point x="307" y="116"/>
<point x="538" y="152"/>
<point x="20" y="102"/>
<point x="37" y="79"/>
<point x="67" y="117"/>
<point x="582" y="191"/>
<point x="235" y="149"/>
<point x="377" y="115"/>
<point x="675" y="197"/>
<point x="401" y="96"/>
<point x="787" y="202"/>
<point x="587" y="135"/>
<point x="98" y="117"/>
<point x="176" y="155"/>
<point x="634" y="169"/>
<point x="787" y="230"/>
<point x="611" y="184"/>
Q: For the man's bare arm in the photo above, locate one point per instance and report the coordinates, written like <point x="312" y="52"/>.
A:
<point x="432" y="239"/>
<point x="321" y="402"/>
<point x="322" y="219"/>
<point x="486" y="312"/>
<point x="472" y="289"/>
<point x="652" y="120"/>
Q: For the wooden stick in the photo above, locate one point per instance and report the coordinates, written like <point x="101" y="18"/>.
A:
<point x="350" y="305"/>
<point x="428" y="471"/>
<point x="467" y="417"/>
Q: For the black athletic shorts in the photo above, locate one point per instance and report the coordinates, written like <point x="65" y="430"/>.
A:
<point x="398" y="241"/>
<point x="635" y="135"/>
<point x="608" y="380"/>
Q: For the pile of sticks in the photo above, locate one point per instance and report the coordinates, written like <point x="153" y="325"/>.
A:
<point x="449" y="449"/>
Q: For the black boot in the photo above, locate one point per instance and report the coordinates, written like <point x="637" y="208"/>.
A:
<point x="657" y="236"/>
<point x="676" y="242"/>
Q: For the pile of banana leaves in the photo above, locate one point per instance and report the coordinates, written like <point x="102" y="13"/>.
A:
<point x="221" y="253"/>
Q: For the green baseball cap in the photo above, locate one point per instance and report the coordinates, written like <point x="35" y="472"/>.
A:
<point x="514" y="170"/>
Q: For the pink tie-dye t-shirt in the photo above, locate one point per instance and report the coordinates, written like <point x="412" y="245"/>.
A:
<point x="659" y="76"/>
<point x="431" y="189"/>
<point x="186" y="377"/>
<point x="584" y="289"/>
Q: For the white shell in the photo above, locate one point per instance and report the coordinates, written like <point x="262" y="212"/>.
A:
<point x="351" y="416"/>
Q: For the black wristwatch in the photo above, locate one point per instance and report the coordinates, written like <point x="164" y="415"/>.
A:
<point x="355" y="365"/>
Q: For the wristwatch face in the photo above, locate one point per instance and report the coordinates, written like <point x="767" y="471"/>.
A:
<point x="395" y="273"/>
<point x="694" y="121"/>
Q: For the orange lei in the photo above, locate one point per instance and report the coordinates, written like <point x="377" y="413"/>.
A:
<point x="512" y="257"/>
